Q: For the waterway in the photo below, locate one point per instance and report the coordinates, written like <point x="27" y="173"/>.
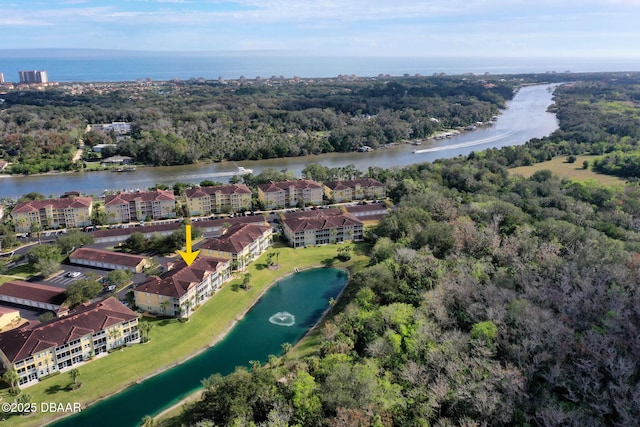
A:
<point x="283" y="315"/>
<point x="526" y="117"/>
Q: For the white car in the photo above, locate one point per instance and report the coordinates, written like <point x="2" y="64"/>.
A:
<point x="73" y="274"/>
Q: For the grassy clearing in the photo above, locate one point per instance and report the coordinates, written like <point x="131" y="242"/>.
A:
<point x="173" y="341"/>
<point x="560" y="167"/>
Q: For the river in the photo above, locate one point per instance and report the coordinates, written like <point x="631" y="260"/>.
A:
<point x="283" y="314"/>
<point x="525" y="117"/>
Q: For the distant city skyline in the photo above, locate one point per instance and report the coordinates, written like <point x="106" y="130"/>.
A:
<point x="517" y="28"/>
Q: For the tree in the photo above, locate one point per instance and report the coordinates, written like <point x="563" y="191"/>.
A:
<point x="75" y="374"/>
<point x="12" y="378"/>
<point x="46" y="267"/>
<point x="43" y="252"/>
<point x="73" y="239"/>
<point x="163" y="306"/>
<point x="46" y="316"/>
<point x="36" y="229"/>
<point x="136" y="243"/>
<point x="246" y="282"/>
<point x="82" y="290"/>
<point x="144" y="327"/>
<point x="119" y="278"/>
<point x="344" y="253"/>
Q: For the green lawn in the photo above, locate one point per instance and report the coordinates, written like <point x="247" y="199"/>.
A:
<point x="173" y="341"/>
<point x="559" y="166"/>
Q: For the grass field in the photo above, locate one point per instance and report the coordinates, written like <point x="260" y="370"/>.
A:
<point x="560" y="167"/>
<point x="173" y="341"/>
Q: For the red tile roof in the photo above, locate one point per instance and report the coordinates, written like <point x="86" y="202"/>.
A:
<point x="298" y="184"/>
<point x="365" y="182"/>
<point x="33" y="292"/>
<point x="64" y="203"/>
<point x="143" y="196"/>
<point x="111" y="257"/>
<point x="193" y="193"/>
<point x="321" y="219"/>
<point x="21" y="343"/>
<point x="257" y="219"/>
<point x="177" y="281"/>
<point x="237" y="237"/>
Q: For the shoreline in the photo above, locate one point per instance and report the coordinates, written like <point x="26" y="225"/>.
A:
<point x="214" y="341"/>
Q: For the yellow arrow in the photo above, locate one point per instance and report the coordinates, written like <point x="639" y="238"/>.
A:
<point x="187" y="255"/>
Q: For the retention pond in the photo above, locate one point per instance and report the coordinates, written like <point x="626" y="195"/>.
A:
<point x="284" y="314"/>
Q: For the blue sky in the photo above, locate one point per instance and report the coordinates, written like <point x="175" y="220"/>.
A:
<point x="529" y="28"/>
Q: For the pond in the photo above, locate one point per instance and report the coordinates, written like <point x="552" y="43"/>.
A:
<point x="284" y="314"/>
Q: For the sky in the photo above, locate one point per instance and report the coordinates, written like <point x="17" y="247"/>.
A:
<point x="422" y="28"/>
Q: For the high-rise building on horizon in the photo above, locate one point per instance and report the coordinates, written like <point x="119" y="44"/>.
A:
<point x="1" y="77"/>
<point x="36" y="76"/>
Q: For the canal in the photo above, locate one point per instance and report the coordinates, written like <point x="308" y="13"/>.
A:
<point x="284" y="314"/>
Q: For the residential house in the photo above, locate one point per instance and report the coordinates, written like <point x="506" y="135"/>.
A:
<point x="36" y="350"/>
<point x="181" y="288"/>
<point x="140" y="206"/>
<point x="356" y="189"/>
<point x="36" y="295"/>
<point x="321" y="227"/>
<point x="219" y="198"/>
<point x="68" y="212"/>
<point x="242" y="243"/>
<point x="110" y="260"/>
<point x="291" y="193"/>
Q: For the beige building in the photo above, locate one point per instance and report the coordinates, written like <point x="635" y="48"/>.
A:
<point x="219" y="198"/>
<point x="53" y="213"/>
<point x="356" y="189"/>
<point x="241" y="243"/>
<point x="290" y="193"/>
<point x="140" y="206"/>
<point x="321" y="227"/>
<point x="178" y="291"/>
<point x="36" y="350"/>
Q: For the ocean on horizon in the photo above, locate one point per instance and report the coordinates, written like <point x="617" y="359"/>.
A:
<point x="107" y="66"/>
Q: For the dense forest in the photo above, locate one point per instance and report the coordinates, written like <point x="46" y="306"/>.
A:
<point x="490" y="299"/>
<point x="182" y="123"/>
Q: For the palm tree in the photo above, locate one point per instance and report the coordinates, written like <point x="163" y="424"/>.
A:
<point x="12" y="378"/>
<point x="187" y="306"/>
<point x="277" y="257"/>
<point x="163" y="306"/>
<point x="145" y="328"/>
<point x="114" y="334"/>
<point x="75" y="373"/>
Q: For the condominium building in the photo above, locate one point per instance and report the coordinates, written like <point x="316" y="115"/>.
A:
<point x="36" y="350"/>
<point x="321" y="227"/>
<point x="241" y="243"/>
<point x="290" y="193"/>
<point x="67" y="212"/>
<point x="219" y="198"/>
<point x="356" y="189"/>
<point x="36" y="76"/>
<point x="182" y="288"/>
<point x="140" y="206"/>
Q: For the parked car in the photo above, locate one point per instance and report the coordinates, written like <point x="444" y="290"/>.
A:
<point x="73" y="274"/>
<point x="111" y="288"/>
